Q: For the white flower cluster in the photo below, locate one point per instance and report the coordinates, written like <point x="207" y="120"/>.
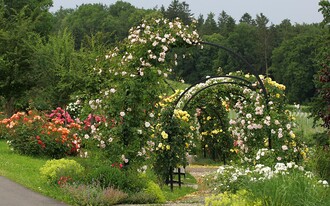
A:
<point x="149" y="44"/>
<point x="94" y="104"/>
<point x="226" y="176"/>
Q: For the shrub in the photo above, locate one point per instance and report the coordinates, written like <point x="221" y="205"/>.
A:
<point x="35" y="134"/>
<point x="141" y="198"/>
<point x="126" y="180"/>
<point x="56" y="171"/>
<point x="94" y="194"/>
<point x="227" y="198"/>
<point x="154" y="190"/>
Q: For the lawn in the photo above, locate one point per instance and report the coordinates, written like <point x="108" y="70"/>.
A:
<point x="25" y="171"/>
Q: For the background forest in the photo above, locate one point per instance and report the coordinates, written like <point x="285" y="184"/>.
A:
<point x="46" y="58"/>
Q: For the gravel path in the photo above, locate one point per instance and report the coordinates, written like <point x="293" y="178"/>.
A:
<point x="196" y="198"/>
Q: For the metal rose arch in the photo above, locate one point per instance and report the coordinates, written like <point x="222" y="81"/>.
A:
<point x="225" y="80"/>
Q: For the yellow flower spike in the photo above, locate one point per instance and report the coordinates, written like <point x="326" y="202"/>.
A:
<point x="278" y="95"/>
<point x="187" y="145"/>
<point x="208" y="118"/>
<point x="168" y="147"/>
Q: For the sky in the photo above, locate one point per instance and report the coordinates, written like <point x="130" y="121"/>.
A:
<point x="297" y="11"/>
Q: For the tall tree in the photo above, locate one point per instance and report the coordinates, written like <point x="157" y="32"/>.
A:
<point x="181" y="10"/>
<point x="242" y="41"/>
<point x="16" y="38"/>
<point x="38" y="11"/>
<point x="61" y="71"/>
<point x="321" y="102"/>
<point x="247" y="18"/>
<point x="226" y="23"/>
<point x="264" y="42"/>
<point x="200" y="22"/>
<point x="294" y="65"/>
<point x="210" y="25"/>
<point x="284" y="31"/>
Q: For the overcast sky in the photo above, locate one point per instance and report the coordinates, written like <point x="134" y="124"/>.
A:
<point x="298" y="11"/>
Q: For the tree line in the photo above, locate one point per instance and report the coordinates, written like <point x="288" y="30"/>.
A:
<point x="47" y="58"/>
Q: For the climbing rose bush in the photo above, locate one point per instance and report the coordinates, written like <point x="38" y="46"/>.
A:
<point x="130" y="82"/>
<point x="254" y="122"/>
<point x="174" y="136"/>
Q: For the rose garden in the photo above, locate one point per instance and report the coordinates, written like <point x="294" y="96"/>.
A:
<point x="121" y="141"/>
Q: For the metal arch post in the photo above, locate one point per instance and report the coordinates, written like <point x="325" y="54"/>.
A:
<point x="204" y="80"/>
<point x="253" y="71"/>
<point x="212" y="85"/>
<point x="249" y="66"/>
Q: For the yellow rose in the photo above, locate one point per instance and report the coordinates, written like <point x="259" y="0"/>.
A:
<point x="164" y="135"/>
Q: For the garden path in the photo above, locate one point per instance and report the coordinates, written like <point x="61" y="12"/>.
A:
<point x="13" y="194"/>
<point x="197" y="198"/>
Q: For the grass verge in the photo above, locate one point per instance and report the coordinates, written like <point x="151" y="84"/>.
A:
<point x="25" y="171"/>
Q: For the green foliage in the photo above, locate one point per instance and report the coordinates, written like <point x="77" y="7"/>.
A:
<point x="94" y="194"/>
<point x="154" y="189"/>
<point x="213" y="120"/>
<point x="319" y="162"/>
<point x="325" y="9"/>
<point x="22" y="24"/>
<point x="174" y="136"/>
<point x="294" y="188"/>
<point x="240" y="198"/>
<point x="111" y="176"/>
<point x="180" y="10"/>
<point x="62" y="71"/>
<point x="321" y="101"/>
<point x="151" y="194"/>
<point x="292" y="69"/>
<point x="128" y="93"/>
<point x="178" y="192"/>
<point x="54" y="169"/>
<point x="110" y="22"/>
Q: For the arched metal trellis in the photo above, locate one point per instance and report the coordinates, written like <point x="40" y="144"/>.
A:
<point x="237" y="80"/>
